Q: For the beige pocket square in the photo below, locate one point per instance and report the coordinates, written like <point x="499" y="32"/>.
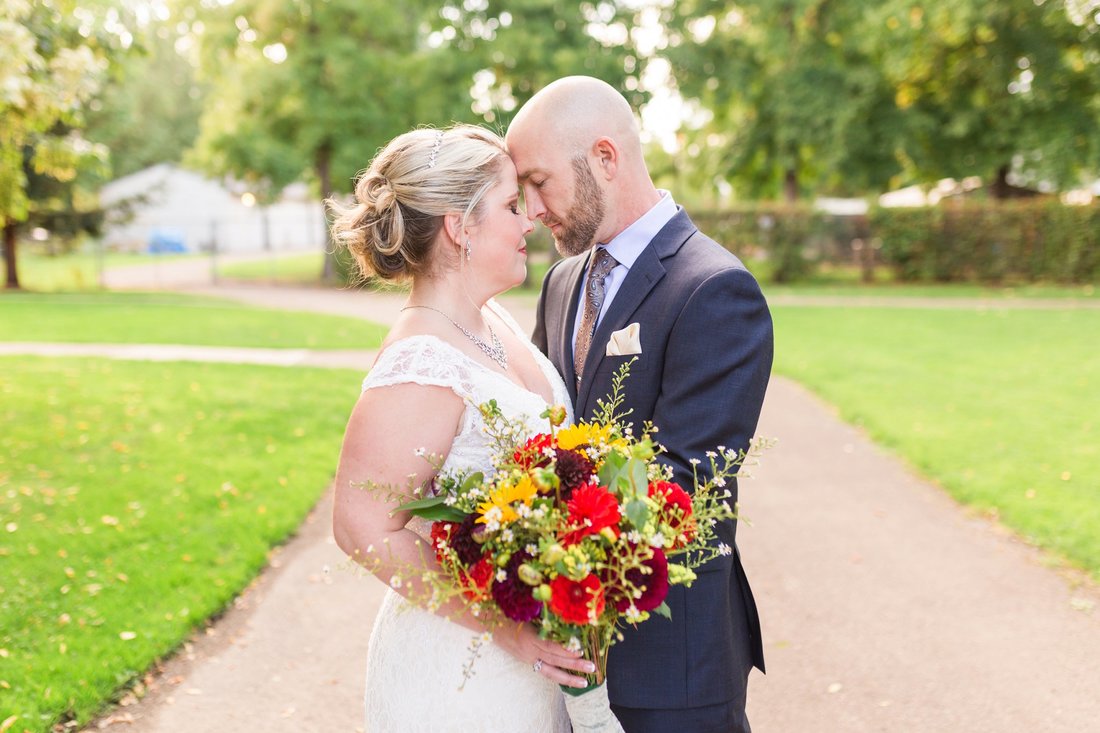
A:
<point x="626" y="341"/>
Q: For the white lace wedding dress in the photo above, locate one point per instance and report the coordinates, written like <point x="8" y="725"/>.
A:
<point x="416" y="658"/>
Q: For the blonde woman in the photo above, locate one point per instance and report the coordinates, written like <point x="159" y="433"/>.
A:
<point x="440" y="208"/>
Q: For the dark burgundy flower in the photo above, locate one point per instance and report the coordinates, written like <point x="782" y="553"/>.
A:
<point x="573" y="470"/>
<point x="463" y="542"/>
<point x="654" y="585"/>
<point x="513" y="595"/>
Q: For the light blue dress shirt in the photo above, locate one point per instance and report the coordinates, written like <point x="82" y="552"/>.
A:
<point x="626" y="247"/>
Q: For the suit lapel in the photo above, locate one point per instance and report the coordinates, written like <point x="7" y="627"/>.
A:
<point x="573" y="281"/>
<point x="640" y="281"/>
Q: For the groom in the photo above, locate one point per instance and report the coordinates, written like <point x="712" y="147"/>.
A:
<point x="695" y="319"/>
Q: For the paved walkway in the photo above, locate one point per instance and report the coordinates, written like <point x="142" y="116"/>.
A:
<point x="172" y="352"/>
<point x="886" y="608"/>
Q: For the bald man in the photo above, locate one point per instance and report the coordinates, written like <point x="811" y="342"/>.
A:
<point x="705" y="355"/>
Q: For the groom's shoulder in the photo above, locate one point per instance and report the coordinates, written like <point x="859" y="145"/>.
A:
<point x="700" y="257"/>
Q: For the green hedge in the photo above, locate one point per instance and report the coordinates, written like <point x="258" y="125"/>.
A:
<point x="971" y="241"/>
<point x="1024" y="241"/>
<point x="786" y="242"/>
<point x="789" y="239"/>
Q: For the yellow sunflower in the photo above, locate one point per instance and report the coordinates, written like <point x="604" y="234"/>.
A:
<point x="504" y="496"/>
<point x="582" y="434"/>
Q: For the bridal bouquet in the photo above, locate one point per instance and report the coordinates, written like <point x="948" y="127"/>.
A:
<point x="579" y="529"/>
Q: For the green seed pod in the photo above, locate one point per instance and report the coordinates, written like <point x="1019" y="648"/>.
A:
<point x="529" y="575"/>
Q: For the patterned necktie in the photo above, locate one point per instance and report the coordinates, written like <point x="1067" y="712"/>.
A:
<point x="602" y="264"/>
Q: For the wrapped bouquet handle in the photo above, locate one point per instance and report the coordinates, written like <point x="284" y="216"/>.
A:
<point x="590" y="711"/>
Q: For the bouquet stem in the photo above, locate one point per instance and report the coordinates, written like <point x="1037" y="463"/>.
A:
<point x="598" y="648"/>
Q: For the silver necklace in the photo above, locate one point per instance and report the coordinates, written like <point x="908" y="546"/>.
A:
<point x="495" y="351"/>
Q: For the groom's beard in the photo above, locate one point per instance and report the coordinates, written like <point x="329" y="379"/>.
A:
<point x="578" y="231"/>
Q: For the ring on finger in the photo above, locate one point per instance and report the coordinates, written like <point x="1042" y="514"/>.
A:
<point x="537" y="666"/>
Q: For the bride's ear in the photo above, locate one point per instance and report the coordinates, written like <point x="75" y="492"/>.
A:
<point x="452" y="224"/>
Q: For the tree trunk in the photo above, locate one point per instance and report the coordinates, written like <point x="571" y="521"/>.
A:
<point x="1000" y="188"/>
<point x="323" y="165"/>
<point x="9" y="255"/>
<point x="790" y="186"/>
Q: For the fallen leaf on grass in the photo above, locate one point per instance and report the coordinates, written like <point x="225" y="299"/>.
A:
<point x="117" y="718"/>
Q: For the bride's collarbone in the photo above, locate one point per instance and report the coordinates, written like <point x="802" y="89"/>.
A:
<point x="523" y="369"/>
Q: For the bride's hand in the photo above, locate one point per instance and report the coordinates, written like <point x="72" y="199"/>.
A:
<point x="523" y="643"/>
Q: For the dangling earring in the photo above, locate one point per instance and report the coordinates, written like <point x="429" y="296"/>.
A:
<point x="467" y="248"/>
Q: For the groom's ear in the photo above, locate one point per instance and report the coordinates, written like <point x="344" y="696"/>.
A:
<point x="606" y="154"/>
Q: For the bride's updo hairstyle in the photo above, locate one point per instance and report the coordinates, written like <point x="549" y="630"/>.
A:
<point x="401" y="199"/>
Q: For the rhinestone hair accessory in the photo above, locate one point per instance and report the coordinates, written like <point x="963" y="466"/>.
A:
<point x="435" y="148"/>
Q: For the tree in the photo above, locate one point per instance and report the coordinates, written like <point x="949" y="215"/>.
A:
<point x="796" y="103"/>
<point x="520" y="46"/>
<point x="315" y="87"/>
<point x="53" y="59"/>
<point x="993" y="88"/>
<point x="148" y="110"/>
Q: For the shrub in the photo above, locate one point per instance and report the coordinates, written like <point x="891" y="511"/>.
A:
<point x="991" y="241"/>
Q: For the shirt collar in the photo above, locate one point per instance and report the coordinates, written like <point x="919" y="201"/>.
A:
<point x="629" y="243"/>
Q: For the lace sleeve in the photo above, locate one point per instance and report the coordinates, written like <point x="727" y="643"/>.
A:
<point x="423" y="360"/>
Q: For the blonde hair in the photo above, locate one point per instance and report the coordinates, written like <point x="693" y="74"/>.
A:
<point x="410" y="185"/>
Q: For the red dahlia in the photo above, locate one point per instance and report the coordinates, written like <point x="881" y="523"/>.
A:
<point x="677" y="510"/>
<point x="591" y="508"/>
<point x="577" y="602"/>
<point x="532" y="453"/>
<point x="478" y="578"/>
<point x="441" y="533"/>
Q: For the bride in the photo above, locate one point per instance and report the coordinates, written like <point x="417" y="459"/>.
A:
<point x="441" y="208"/>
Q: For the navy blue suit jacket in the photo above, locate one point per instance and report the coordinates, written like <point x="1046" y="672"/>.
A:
<point x="706" y="337"/>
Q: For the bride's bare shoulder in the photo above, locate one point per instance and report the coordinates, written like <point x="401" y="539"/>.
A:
<point x="413" y="323"/>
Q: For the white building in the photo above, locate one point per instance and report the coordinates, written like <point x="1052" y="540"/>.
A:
<point x="171" y="204"/>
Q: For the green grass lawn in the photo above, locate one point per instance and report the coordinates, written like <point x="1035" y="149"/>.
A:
<point x="303" y="269"/>
<point x="137" y="500"/>
<point x="77" y="271"/>
<point x="174" y="319"/>
<point x="1002" y="408"/>
<point x="930" y="290"/>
